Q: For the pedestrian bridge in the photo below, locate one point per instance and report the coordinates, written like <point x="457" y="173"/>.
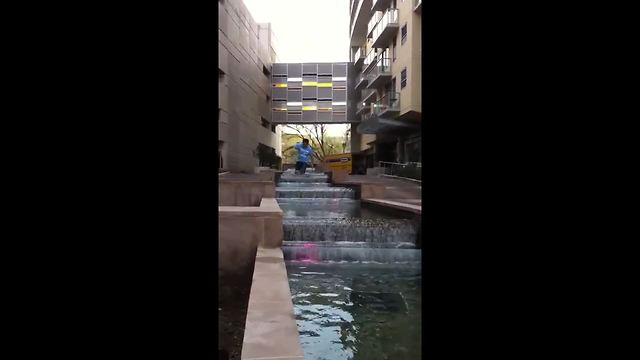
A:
<point x="310" y="93"/>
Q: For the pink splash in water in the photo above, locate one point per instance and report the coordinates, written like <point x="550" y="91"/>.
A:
<point x="310" y="256"/>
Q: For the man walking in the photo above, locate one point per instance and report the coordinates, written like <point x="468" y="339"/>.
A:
<point x="305" y="154"/>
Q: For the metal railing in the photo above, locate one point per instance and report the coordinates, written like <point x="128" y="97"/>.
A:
<point x="366" y="93"/>
<point x="390" y="101"/>
<point x="382" y="66"/>
<point x="371" y="57"/>
<point x="411" y="170"/>
<point x="361" y="105"/>
<point x="390" y="17"/>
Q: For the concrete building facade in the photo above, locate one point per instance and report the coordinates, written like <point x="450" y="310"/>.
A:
<point x="386" y="54"/>
<point x="246" y="52"/>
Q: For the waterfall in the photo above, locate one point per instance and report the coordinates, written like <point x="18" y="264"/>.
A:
<point x="317" y="212"/>
<point x="349" y="229"/>
<point x="314" y="192"/>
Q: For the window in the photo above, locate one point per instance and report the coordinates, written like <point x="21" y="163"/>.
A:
<point x="403" y="78"/>
<point x="394" y="49"/>
<point x="403" y="32"/>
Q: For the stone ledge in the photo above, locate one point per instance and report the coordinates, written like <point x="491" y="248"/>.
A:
<point x="400" y="178"/>
<point x="416" y="209"/>
<point x="271" y="331"/>
<point x="268" y="212"/>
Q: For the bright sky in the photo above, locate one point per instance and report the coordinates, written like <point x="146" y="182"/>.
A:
<point x="307" y="31"/>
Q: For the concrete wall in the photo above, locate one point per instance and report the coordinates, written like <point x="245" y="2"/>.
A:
<point x="409" y="55"/>
<point x="244" y="193"/>
<point x="243" y="50"/>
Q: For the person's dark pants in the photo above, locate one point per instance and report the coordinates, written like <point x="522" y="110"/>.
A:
<point x="301" y="167"/>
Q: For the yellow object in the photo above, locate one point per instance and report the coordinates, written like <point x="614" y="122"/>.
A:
<point x="339" y="162"/>
<point x="325" y="84"/>
<point x="280" y="85"/>
<point x="306" y="108"/>
<point x="309" y="83"/>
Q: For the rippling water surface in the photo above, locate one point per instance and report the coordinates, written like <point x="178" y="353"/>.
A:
<point x="357" y="310"/>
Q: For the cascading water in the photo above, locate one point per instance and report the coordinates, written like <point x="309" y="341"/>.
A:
<point x="315" y="211"/>
<point x="354" y="273"/>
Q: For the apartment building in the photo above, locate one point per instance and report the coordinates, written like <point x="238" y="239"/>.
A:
<point x="246" y="52"/>
<point x="386" y="54"/>
<point x="310" y="93"/>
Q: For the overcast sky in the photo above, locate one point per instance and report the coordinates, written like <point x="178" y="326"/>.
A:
<point x="307" y="31"/>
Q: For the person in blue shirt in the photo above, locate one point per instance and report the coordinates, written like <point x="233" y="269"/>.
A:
<point x="305" y="155"/>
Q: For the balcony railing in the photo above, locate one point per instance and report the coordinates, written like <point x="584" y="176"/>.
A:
<point x="374" y="21"/>
<point x="366" y="95"/>
<point x="359" y="55"/>
<point x="362" y="107"/>
<point x="380" y="71"/>
<point x="387" y="25"/>
<point x="370" y="59"/>
<point x="388" y="105"/>
<point x="361" y="81"/>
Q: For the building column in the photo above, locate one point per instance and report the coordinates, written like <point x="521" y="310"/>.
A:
<point x="400" y="150"/>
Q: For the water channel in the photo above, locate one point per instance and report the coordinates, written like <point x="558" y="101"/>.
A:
<point x="354" y="272"/>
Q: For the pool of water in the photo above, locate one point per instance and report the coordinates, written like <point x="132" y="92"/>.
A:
<point x="357" y="310"/>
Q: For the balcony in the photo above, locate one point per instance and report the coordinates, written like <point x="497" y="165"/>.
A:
<point x="372" y="123"/>
<point x="417" y="6"/>
<point x="380" y="5"/>
<point x="361" y="81"/>
<point x="375" y="18"/>
<point x="367" y="95"/>
<point x="388" y="106"/>
<point x="360" y="11"/>
<point x="370" y="60"/>
<point x="385" y="29"/>
<point x="362" y="108"/>
<point x="379" y="74"/>
<point x="358" y="57"/>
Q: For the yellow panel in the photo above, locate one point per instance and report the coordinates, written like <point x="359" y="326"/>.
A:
<point x="339" y="162"/>
<point x="280" y="85"/>
<point x="324" y="84"/>
<point x="306" y="108"/>
<point x="309" y="83"/>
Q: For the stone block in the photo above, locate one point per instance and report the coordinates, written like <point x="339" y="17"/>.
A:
<point x="372" y="191"/>
<point x="237" y="240"/>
